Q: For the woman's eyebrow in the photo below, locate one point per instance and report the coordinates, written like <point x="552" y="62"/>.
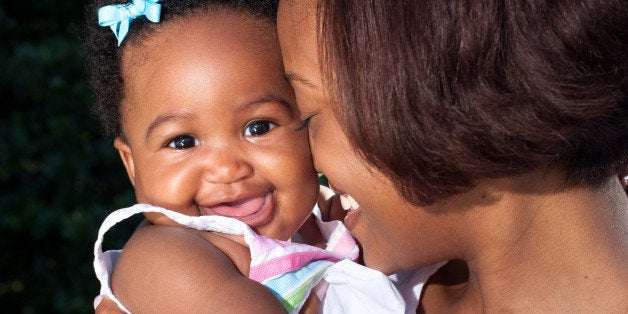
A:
<point x="293" y="77"/>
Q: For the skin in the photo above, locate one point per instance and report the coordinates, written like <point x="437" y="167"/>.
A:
<point x="529" y="242"/>
<point x="334" y="156"/>
<point x="210" y="128"/>
<point x="179" y="92"/>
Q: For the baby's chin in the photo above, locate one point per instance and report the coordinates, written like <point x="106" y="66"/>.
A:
<point x="276" y="232"/>
<point x="159" y="219"/>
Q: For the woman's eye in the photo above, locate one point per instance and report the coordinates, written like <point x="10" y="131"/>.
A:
<point x="306" y="123"/>
<point x="184" y="142"/>
<point x="258" y="127"/>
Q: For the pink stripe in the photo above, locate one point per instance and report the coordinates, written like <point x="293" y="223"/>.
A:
<point x="287" y="263"/>
<point x="345" y="245"/>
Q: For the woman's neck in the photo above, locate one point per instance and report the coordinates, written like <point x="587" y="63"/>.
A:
<point x="542" y="248"/>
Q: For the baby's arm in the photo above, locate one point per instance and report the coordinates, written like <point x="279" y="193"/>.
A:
<point x="167" y="269"/>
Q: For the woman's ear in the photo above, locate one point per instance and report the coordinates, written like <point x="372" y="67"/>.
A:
<point x="127" y="157"/>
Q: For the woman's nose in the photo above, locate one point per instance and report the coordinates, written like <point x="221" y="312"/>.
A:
<point x="226" y="166"/>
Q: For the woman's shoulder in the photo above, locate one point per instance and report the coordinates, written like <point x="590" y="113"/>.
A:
<point x="164" y="268"/>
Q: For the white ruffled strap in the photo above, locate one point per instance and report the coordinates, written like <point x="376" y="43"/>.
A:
<point x="106" y="260"/>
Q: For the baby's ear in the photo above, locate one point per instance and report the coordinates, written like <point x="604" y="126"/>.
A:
<point x="127" y="157"/>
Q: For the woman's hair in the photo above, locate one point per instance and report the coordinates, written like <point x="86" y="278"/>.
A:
<point x="439" y="94"/>
<point x="103" y="54"/>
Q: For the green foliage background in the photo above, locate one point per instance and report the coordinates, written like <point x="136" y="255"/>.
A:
<point x="58" y="177"/>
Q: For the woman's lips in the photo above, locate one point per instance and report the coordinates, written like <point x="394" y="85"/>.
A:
<point x="254" y="211"/>
<point x="352" y="207"/>
<point x="348" y="202"/>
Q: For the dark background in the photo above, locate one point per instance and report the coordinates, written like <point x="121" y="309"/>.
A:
<point x="58" y="176"/>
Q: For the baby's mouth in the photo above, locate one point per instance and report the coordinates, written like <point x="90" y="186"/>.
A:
<point x="255" y="211"/>
<point x="237" y="209"/>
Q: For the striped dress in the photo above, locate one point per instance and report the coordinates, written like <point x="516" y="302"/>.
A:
<point x="290" y="270"/>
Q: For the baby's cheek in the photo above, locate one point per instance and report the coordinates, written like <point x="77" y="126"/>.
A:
<point x="171" y="191"/>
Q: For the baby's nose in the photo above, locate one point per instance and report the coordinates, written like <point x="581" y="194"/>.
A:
<point x="226" y="166"/>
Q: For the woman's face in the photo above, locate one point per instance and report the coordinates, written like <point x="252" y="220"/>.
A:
<point x="385" y="224"/>
<point x="210" y="125"/>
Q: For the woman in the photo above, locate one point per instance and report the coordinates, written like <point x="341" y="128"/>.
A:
<point x="484" y="131"/>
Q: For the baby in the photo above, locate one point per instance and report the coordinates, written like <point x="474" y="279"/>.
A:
<point x="205" y="122"/>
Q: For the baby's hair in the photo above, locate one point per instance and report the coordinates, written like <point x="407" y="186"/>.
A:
<point x="103" y="54"/>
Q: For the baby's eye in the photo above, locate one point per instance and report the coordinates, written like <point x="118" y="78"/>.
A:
<point x="258" y="127"/>
<point x="184" y="142"/>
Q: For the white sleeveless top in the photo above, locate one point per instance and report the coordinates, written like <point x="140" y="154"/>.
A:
<point x="345" y="286"/>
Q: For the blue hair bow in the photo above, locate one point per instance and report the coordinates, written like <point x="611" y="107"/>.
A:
<point x="119" y="16"/>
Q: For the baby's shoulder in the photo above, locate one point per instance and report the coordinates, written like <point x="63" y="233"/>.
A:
<point x="172" y="261"/>
<point x="173" y="244"/>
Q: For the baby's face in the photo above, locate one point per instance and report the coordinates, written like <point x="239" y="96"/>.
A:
<point x="211" y="125"/>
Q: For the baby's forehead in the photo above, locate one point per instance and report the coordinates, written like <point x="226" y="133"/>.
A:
<point x="214" y="36"/>
<point x="220" y="60"/>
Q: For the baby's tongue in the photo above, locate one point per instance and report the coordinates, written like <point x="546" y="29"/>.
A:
<point x="240" y="208"/>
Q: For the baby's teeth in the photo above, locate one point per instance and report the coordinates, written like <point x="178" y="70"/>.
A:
<point x="348" y="202"/>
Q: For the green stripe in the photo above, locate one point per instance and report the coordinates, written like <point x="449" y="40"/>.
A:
<point x="292" y="301"/>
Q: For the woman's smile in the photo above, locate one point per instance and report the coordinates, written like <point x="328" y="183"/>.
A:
<point x="352" y="207"/>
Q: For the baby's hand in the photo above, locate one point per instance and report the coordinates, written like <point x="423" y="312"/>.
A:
<point x="312" y="305"/>
<point x="310" y="234"/>
<point x="329" y="204"/>
<point x="336" y="212"/>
